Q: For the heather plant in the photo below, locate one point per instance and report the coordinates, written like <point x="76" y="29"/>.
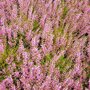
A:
<point x="44" y="45"/>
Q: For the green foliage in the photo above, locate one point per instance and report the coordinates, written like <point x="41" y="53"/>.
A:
<point x="61" y="29"/>
<point x="3" y="64"/>
<point x="65" y="10"/>
<point x="35" y="25"/>
<point x="15" y="79"/>
<point x="63" y="64"/>
<point x="62" y="1"/>
<point x="88" y="75"/>
<point x="4" y="57"/>
<point x="23" y="37"/>
<point x="46" y="59"/>
<point x="2" y="78"/>
<point x="18" y="64"/>
<point x="24" y="17"/>
<point x="58" y="32"/>
<point x="87" y="70"/>
<point x="7" y="52"/>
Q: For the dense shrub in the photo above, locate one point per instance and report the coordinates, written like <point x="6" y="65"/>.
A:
<point x="44" y="45"/>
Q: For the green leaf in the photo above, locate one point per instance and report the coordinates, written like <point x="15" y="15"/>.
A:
<point x="8" y="51"/>
<point x="63" y="1"/>
<point x="65" y="10"/>
<point x="35" y="25"/>
<point x="46" y="59"/>
<point x="63" y="64"/>
<point x="3" y="58"/>
<point x="58" y="32"/>
<point x="2" y="78"/>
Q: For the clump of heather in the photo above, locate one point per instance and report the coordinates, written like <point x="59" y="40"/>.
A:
<point x="44" y="45"/>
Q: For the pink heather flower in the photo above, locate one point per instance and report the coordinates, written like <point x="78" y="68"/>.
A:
<point x="29" y="35"/>
<point x="25" y="67"/>
<point x="16" y="74"/>
<point x="89" y="84"/>
<point x="2" y="86"/>
<point x="43" y="20"/>
<point x="78" y="69"/>
<point x="2" y="31"/>
<point x="36" y="55"/>
<point x="46" y="84"/>
<point x="14" y="12"/>
<point x="68" y="82"/>
<point x="44" y="49"/>
<point x="8" y="31"/>
<point x="9" y="83"/>
<point x="21" y="47"/>
<point x="58" y="87"/>
<point x="26" y="3"/>
<point x="25" y="56"/>
<point x="77" y="85"/>
<point x="1" y="46"/>
<point x="47" y="29"/>
<point x="21" y="4"/>
<point x="30" y="12"/>
<point x="35" y="41"/>
<point x="30" y="64"/>
<point x="32" y="75"/>
<point x="47" y="37"/>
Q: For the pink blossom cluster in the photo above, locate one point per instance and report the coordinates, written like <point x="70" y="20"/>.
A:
<point x="44" y="44"/>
